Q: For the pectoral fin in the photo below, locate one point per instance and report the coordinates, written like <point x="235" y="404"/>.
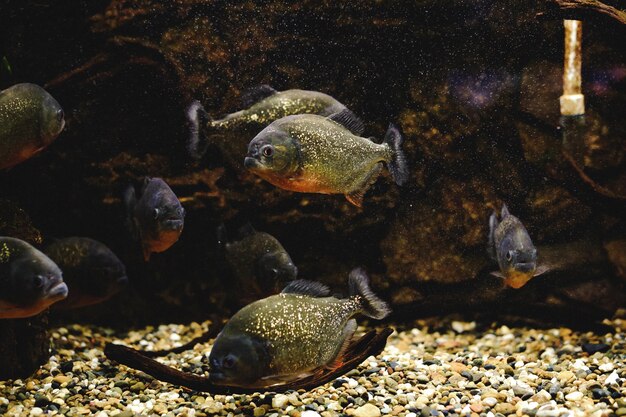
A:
<point x="497" y="274"/>
<point x="541" y="269"/>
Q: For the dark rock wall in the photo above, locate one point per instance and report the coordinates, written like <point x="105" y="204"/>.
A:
<point x="473" y="85"/>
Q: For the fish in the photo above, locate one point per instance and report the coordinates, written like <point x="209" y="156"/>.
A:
<point x="262" y="105"/>
<point x="91" y="270"/>
<point x="510" y="245"/>
<point x="30" y="120"/>
<point x="316" y="154"/>
<point x="286" y="336"/>
<point x="30" y="282"/>
<point x="155" y="216"/>
<point x="258" y="260"/>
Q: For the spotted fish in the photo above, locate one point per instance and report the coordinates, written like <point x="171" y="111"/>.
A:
<point x="30" y="282"/>
<point x="262" y="105"/>
<point x="315" y="154"/>
<point x="30" y="120"/>
<point x="511" y="247"/>
<point x="286" y="336"/>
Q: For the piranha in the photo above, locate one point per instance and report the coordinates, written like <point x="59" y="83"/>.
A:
<point x="29" y="281"/>
<point x="30" y="120"/>
<point x="155" y="216"/>
<point x="91" y="270"/>
<point x="315" y="154"/>
<point x="258" y="260"/>
<point x="262" y="105"/>
<point x="511" y="247"/>
<point x="286" y="336"/>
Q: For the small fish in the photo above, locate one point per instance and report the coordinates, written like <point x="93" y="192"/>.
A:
<point x="156" y="217"/>
<point x="262" y="105"/>
<point x="90" y="269"/>
<point x="511" y="247"/>
<point x="30" y="120"/>
<point x="29" y="281"/>
<point x="315" y="154"/>
<point x="286" y="336"/>
<point x="258" y="260"/>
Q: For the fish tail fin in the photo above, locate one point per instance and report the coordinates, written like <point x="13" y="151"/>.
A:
<point x="196" y="115"/>
<point x="398" y="165"/>
<point x="371" y="305"/>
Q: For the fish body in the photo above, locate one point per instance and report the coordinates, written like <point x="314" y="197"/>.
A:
<point x="156" y="217"/>
<point x="91" y="270"/>
<point x="315" y="154"/>
<point x="30" y="120"/>
<point x="288" y="335"/>
<point x="259" y="261"/>
<point x="510" y="245"/>
<point x="29" y="281"/>
<point x="262" y="105"/>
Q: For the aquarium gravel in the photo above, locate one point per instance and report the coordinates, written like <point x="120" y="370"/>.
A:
<point x="443" y="368"/>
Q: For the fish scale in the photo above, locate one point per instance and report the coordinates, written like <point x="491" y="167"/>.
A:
<point x="30" y="119"/>
<point x="302" y="332"/>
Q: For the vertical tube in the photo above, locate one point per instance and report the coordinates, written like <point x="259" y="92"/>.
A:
<point x="572" y="101"/>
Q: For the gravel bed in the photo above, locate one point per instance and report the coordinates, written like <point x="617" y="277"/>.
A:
<point x="448" y="370"/>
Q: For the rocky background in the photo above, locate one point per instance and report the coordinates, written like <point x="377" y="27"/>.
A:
<point x="474" y="86"/>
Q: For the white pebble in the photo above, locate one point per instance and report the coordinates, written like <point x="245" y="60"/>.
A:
<point x="279" y="401"/>
<point x="174" y="337"/>
<point x="606" y="367"/>
<point x="309" y="413"/>
<point x="574" y="396"/>
<point x="611" y="379"/>
<point x="36" y="411"/>
<point x="490" y="401"/>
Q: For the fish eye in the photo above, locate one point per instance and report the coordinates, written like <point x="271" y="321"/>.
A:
<point x="155" y="213"/>
<point x="267" y="151"/>
<point x="60" y="115"/>
<point x="228" y="362"/>
<point x="509" y="255"/>
<point x="38" y="281"/>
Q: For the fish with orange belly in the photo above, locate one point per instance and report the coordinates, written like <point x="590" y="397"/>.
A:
<point x="30" y="120"/>
<point x="510" y="245"/>
<point x="290" y="335"/>
<point x="30" y="282"/>
<point x="314" y="154"/>
<point x="155" y="216"/>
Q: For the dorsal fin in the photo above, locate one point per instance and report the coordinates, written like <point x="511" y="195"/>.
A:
<point x="504" y="212"/>
<point x="255" y="94"/>
<point x="304" y="287"/>
<point x="348" y="120"/>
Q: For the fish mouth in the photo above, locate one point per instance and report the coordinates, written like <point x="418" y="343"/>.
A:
<point x="58" y="291"/>
<point x="217" y="377"/>
<point x="251" y="163"/>
<point x="173" y="223"/>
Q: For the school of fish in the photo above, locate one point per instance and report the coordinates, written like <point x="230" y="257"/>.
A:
<point x="298" y="140"/>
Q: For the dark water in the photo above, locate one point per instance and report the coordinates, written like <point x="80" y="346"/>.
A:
<point x="474" y="87"/>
